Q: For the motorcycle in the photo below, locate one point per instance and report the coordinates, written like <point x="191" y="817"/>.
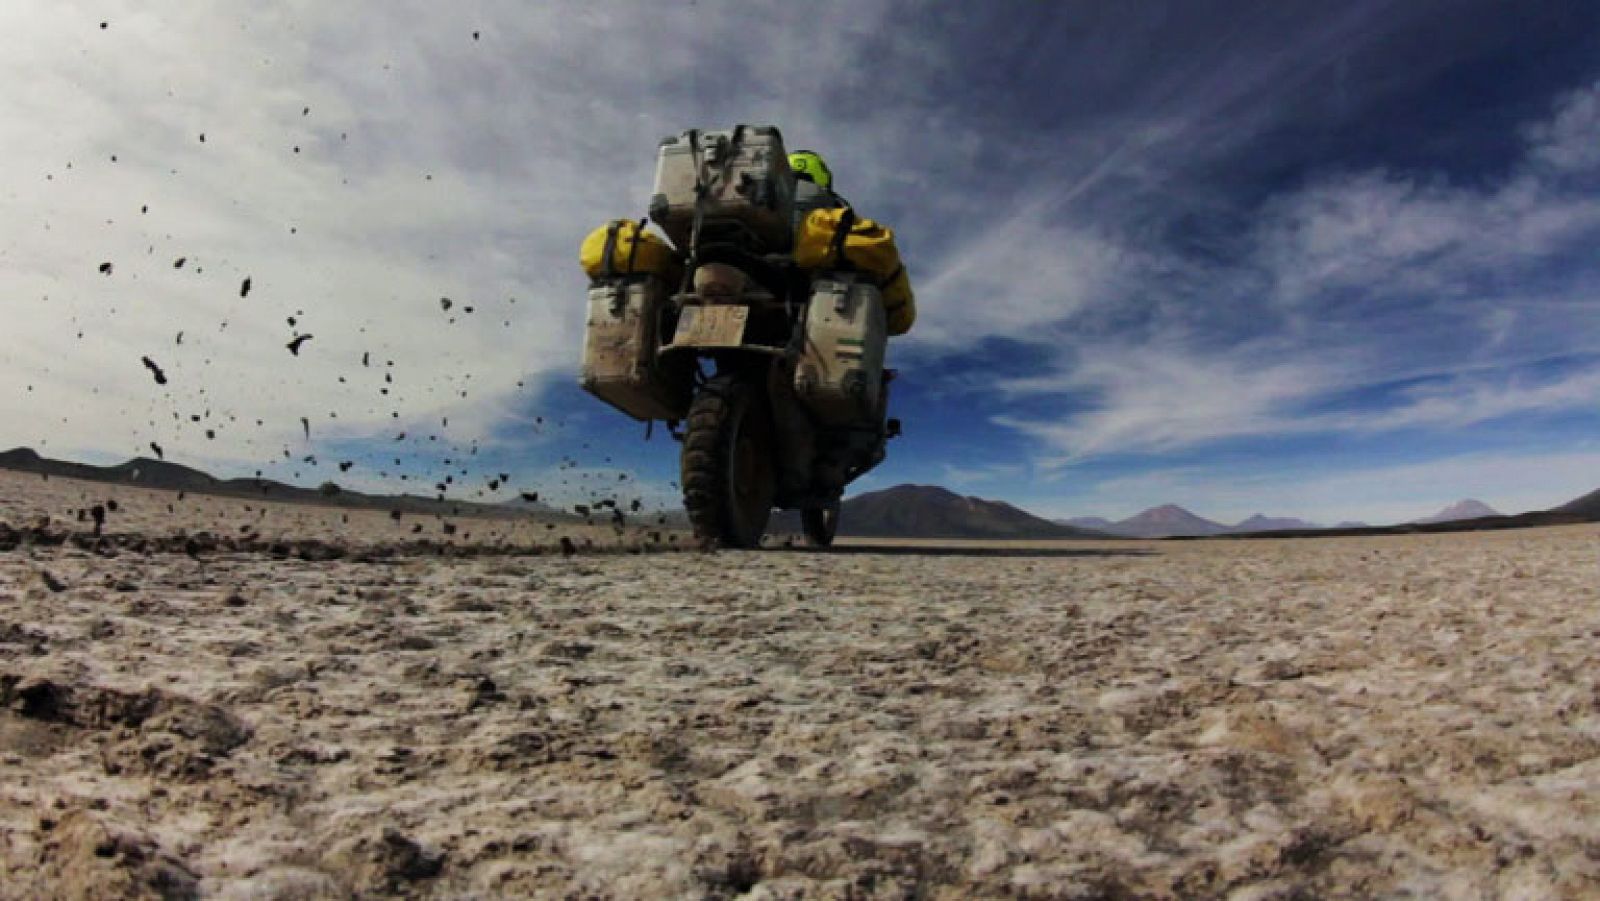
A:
<point x="770" y="375"/>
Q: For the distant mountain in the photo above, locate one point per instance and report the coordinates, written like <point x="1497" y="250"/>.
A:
<point x="153" y="473"/>
<point x="928" y="511"/>
<point x="1466" y="509"/>
<point x="1466" y="516"/>
<point x="1587" y="507"/>
<point x="1166" y="521"/>
<point x="1260" y="523"/>
<point x="145" y="472"/>
<point x="19" y="456"/>
<point x="1172" y="520"/>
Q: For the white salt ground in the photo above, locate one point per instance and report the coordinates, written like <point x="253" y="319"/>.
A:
<point x="1324" y="718"/>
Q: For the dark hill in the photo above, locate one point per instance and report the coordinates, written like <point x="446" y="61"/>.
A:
<point x="19" y="457"/>
<point x="144" y="472"/>
<point x="148" y="473"/>
<point x="928" y="511"/>
<point x="1587" y="507"/>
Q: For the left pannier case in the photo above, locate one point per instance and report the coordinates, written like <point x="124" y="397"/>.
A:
<point x="621" y="337"/>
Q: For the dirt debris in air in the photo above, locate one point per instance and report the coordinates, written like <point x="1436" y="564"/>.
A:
<point x="1351" y="717"/>
<point x="155" y="370"/>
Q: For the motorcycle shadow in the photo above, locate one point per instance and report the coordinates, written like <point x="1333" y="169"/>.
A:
<point x="938" y="550"/>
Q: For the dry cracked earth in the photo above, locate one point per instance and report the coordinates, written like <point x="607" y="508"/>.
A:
<point x="1358" y="717"/>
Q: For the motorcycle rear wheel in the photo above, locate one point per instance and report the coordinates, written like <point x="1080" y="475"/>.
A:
<point x="728" y="471"/>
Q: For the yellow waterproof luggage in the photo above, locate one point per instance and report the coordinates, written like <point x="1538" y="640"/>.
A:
<point x="838" y="239"/>
<point x="622" y="247"/>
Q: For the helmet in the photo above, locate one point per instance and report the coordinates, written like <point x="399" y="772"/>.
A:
<point x="808" y="165"/>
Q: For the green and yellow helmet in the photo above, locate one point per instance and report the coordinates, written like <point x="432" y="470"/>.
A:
<point x="809" y="165"/>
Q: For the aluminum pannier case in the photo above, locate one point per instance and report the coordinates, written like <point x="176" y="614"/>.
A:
<point x="746" y="180"/>
<point x="839" y="377"/>
<point x="619" y="350"/>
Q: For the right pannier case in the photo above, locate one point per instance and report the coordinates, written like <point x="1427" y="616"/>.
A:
<point x="746" y="181"/>
<point x="839" y="377"/>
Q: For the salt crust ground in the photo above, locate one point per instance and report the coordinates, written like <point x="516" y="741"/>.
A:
<point x="1360" y="717"/>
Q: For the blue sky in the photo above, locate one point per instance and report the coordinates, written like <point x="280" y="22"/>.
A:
<point x="1332" y="261"/>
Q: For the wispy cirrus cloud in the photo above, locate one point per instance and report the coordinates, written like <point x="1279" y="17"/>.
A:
<point x="1426" y="298"/>
<point x="1151" y="400"/>
<point x="1155" y="397"/>
<point x="972" y="475"/>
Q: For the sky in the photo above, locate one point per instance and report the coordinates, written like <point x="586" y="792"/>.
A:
<point x="1334" y="261"/>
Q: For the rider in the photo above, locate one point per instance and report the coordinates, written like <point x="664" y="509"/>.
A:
<point x="813" y="186"/>
<point x="813" y="190"/>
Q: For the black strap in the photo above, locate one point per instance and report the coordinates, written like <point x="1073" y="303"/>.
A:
<point x="608" y="259"/>
<point x="893" y="277"/>
<point x="699" y="206"/>
<point x="633" y="249"/>
<point x="840" y="233"/>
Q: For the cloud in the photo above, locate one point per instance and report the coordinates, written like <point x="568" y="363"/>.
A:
<point x="1152" y="398"/>
<point x="1357" y="240"/>
<point x="357" y="251"/>
<point x="1064" y="233"/>
<point x="1408" y="290"/>
<point x="1022" y="276"/>
<point x="1466" y="401"/>
<point x="971" y="475"/>
<point x="358" y="164"/>
<point x="1566" y="142"/>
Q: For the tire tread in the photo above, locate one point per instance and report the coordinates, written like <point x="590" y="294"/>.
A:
<point x="705" y="457"/>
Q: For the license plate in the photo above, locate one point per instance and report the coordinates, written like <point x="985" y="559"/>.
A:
<point x="715" y="326"/>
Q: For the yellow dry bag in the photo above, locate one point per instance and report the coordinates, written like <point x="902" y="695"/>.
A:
<point x="622" y="247"/>
<point x="837" y="239"/>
